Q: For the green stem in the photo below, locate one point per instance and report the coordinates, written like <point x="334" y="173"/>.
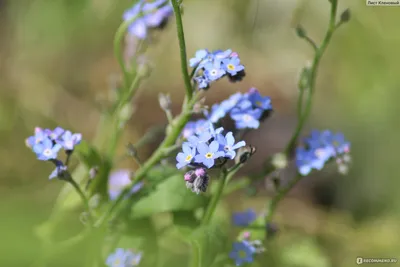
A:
<point x="84" y="199"/>
<point x="169" y="141"/>
<point x="312" y="78"/>
<point x="225" y="177"/>
<point x="182" y="46"/>
<point x="119" y="35"/>
<point x="279" y="196"/>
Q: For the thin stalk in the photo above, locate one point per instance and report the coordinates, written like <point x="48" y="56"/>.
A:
<point x="84" y="199"/>
<point x="313" y="75"/>
<point x="182" y="48"/>
<point x="225" y="177"/>
<point x="279" y="196"/>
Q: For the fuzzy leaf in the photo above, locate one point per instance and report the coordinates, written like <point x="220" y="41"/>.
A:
<point x="170" y="195"/>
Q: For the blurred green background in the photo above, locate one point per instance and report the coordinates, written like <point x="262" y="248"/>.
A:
<point x="56" y="66"/>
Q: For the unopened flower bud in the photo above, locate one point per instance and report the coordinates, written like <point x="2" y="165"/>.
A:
<point x="143" y="67"/>
<point x="93" y="172"/>
<point x="279" y="161"/>
<point x="126" y="112"/>
<point x="197" y="180"/>
<point x="165" y="101"/>
<point x="244" y="154"/>
<point x="346" y="15"/>
<point x="300" y="31"/>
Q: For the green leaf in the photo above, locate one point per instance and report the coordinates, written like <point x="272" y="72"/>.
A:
<point x="305" y="252"/>
<point x="170" y="195"/>
<point x="208" y="242"/>
<point x="87" y="154"/>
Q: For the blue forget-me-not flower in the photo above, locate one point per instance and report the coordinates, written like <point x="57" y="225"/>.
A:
<point x="244" y="218"/>
<point x="319" y="148"/>
<point x="145" y="15"/>
<point x="242" y="252"/>
<point x="123" y="258"/>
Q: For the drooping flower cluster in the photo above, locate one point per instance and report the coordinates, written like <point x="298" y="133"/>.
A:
<point x="146" y="15"/>
<point x="117" y="182"/>
<point x="46" y="144"/>
<point x="203" y="149"/>
<point x="246" y="110"/>
<point x="212" y="66"/>
<point x="320" y="147"/>
<point x="123" y="258"/>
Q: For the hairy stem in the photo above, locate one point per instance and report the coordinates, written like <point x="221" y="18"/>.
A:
<point x="182" y="48"/>
<point x="225" y="177"/>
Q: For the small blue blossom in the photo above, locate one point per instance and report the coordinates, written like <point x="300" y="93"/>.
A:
<point x="321" y="147"/>
<point x="186" y="157"/>
<point x="59" y="170"/>
<point x="202" y="82"/>
<point x="212" y="66"/>
<point x="46" y="150"/>
<point x="244" y="218"/>
<point x="194" y="140"/>
<point x="208" y="153"/>
<point x="259" y="101"/>
<point x="201" y="126"/>
<point x="246" y="118"/>
<point x="228" y="144"/>
<point x="220" y="55"/>
<point x="154" y="15"/>
<point x="198" y="57"/>
<point x="68" y="140"/>
<point x="40" y="136"/>
<point x="242" y="252"/>
<point x="117" y="182"/>
<point x="232" y="65"/>
<point x="213" y="70"/>
<point x="123" y="258"/>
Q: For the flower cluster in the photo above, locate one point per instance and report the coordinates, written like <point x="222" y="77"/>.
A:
<point x="118" y="180"/>
<point x="319" y="148"/>
<point x="123" y="258"/>
<point x="204" y="148"/>
<point x="148" y="14"/>
<point x="212" y="66"/>
<point x="46" y="144"/>
<point x="246" y="110"/>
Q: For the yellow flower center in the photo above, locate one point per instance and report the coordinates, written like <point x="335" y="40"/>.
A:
<point x="188" y="157"/>
<point x="319" y="153"/>
<point x="230" y="67"/>
<point x="336" y="143"/>
<point x="246" y="117"/>
<point x="117" y="262"/>
<point x="47" y="152"/>
<point x="258" y="103"/>
<point x="209" y="155"/>
<point x="242" y="254"/>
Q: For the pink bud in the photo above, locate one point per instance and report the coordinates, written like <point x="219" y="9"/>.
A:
<point x="200" y="172"/>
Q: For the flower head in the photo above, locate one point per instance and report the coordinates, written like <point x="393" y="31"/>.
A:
<point x="59" y="171"/>
<point x="319" y="148"/>
<point x="244" y="218"/>
<point x="39" y="136"/>
<point x="123" y="258"/>
<point x="118" y="181"/>
<point x="208" y="153"/>
<point x="246" y="118"/>
<point x="228" y="145"/>
<point x="68" y="140"/>
<point x="232" y="65"/>
<point x="259" y="101"/>
<point x="212" y="66"/>
<point x="146" y="15"/>
<point x="242" y="252"/>
<point x="46" y="150"/>
<point x="186" y="157"/>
